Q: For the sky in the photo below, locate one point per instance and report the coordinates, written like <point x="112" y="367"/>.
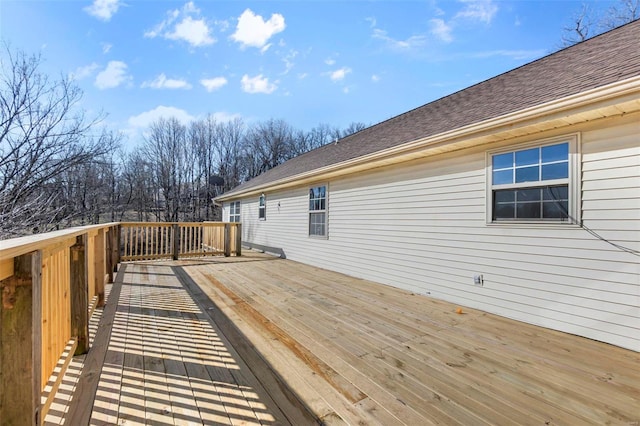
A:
<point x="304" y="61"/>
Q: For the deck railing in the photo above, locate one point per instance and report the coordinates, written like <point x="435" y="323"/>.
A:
<point x="51" y="282"/>
<point x="174" y="240"/>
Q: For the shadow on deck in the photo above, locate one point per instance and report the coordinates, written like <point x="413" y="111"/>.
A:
<point x="259" y="340"/>
<point x="157" y="358"/>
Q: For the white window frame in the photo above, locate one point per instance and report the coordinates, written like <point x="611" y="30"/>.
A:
<point x="262" y="207"/>
<point x="573" y="181"/>
<point x="314" y="211"/>
<point x="234" y="211"/>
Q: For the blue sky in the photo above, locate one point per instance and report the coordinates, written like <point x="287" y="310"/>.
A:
<point x="307" y="62"/>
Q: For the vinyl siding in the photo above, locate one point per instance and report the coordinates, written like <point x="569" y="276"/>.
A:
<point x="422" y="227"/>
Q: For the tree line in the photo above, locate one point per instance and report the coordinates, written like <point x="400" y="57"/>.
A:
<point x="57" y="169"/>
<point x="179" y="168"/>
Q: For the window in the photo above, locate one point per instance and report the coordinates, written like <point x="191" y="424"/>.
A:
<point x="234" y="211"/>
<point x="318" y="211"/>
<point x="534" y="184"/>
<point x="262" y="207"/>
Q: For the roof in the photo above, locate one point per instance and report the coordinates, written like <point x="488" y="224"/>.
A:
<point x="608" y="58"/>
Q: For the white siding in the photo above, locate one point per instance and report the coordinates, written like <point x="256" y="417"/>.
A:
<point x="422" y="227"/>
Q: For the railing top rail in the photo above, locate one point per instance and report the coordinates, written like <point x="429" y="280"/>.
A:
<point x="210" y="223"/>
<point x="15" y="247"/>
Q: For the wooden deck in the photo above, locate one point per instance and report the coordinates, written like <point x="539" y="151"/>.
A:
<point x="244" y="340"/>
<point x="158" y="359"/>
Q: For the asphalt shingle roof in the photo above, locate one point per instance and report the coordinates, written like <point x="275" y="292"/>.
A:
<point x="602" y="60"/>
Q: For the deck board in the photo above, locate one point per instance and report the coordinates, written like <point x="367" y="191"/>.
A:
<point x="415" y="360"/>
<point x="165" y="363"/>
<point x="260" y="340"/>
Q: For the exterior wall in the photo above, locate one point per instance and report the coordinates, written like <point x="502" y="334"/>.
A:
<point x="422" y="227"/>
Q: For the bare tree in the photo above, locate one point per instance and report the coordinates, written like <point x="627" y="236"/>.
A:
<point x="42" y="135"/>
<point x="90" y="192"/>
<point x="619" y="14"/>
<point x="164" y="148"/>
<point x="267" y="144"/>
<point x="320" y="135"/>
<point x="137" y="184"/>
<point x="230" y="153"/>
<point x="586" y="23"/>
<point x="353" y="127"/>
<point x="580" y="27"/>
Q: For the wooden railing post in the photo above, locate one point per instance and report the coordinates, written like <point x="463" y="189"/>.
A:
<point x="227" y="239"/>
<point x="116" y="247"/>
<point x="99" y="266"/>
<point x="239" y="239"/>
<point x="176" y="240"/>
<point x="79" y="294"/>
<point x="109" y="254"/>
<point x="20" y="341"/>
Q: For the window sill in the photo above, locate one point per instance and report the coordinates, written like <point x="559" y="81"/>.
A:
<point x="319" y="237"/>
<point x="532" y="224"/>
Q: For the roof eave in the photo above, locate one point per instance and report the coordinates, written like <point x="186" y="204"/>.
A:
<point x="618" y="98"/>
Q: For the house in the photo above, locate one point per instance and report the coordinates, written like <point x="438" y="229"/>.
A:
<point x="519" y="196"/>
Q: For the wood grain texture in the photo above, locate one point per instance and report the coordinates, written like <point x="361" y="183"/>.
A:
<point x="252" y="337"/>
<point x="414" y="359"/>
<point x="99" y="266"/>
<point x="17" y="246"/>
<point x="81" y="406"/>
<point x="79" y="295"/>
<point x="158" y="358"/>
<point x="19" y="343"/>
<point x="6" y="268"/>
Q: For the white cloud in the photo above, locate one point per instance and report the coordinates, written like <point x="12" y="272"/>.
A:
<point x="172" y="15"/>
<point x="162" y="82"/>
<point x="223" y="117"/>
<point x="339" y="74"/>
<point x="254" y="31"/>
<point x="412" y="42"/>
<point x="288" y="60"/>
<point x="106" y="47"/>
<point x="103" y="9"/>
<point x="513" y="54"/>
<point x="257" y="84"/>
<point x="372" y="21"/>
<point x="213" y="84"/>
<point x="193" y="31"/>
<point x="480" y="10"/>
<point x="190" y="7"/>
<point x="375" y="78"/>
<point x="112" y="76"/>
<point x="144" y="119"/>
<point x="441" y="30"/>
<point x="84" y="72"/>
<point x="181" y="25"/>
<point x="330" y="61"/>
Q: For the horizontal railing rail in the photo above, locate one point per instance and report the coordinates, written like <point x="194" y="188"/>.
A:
<point x="50" y="283"/>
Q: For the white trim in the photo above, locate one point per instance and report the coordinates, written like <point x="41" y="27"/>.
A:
<point x="237" y="211"/>
<point x="325" y="211"/>
<point x="263" y="197"/>
<point x="575" y="206"/>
